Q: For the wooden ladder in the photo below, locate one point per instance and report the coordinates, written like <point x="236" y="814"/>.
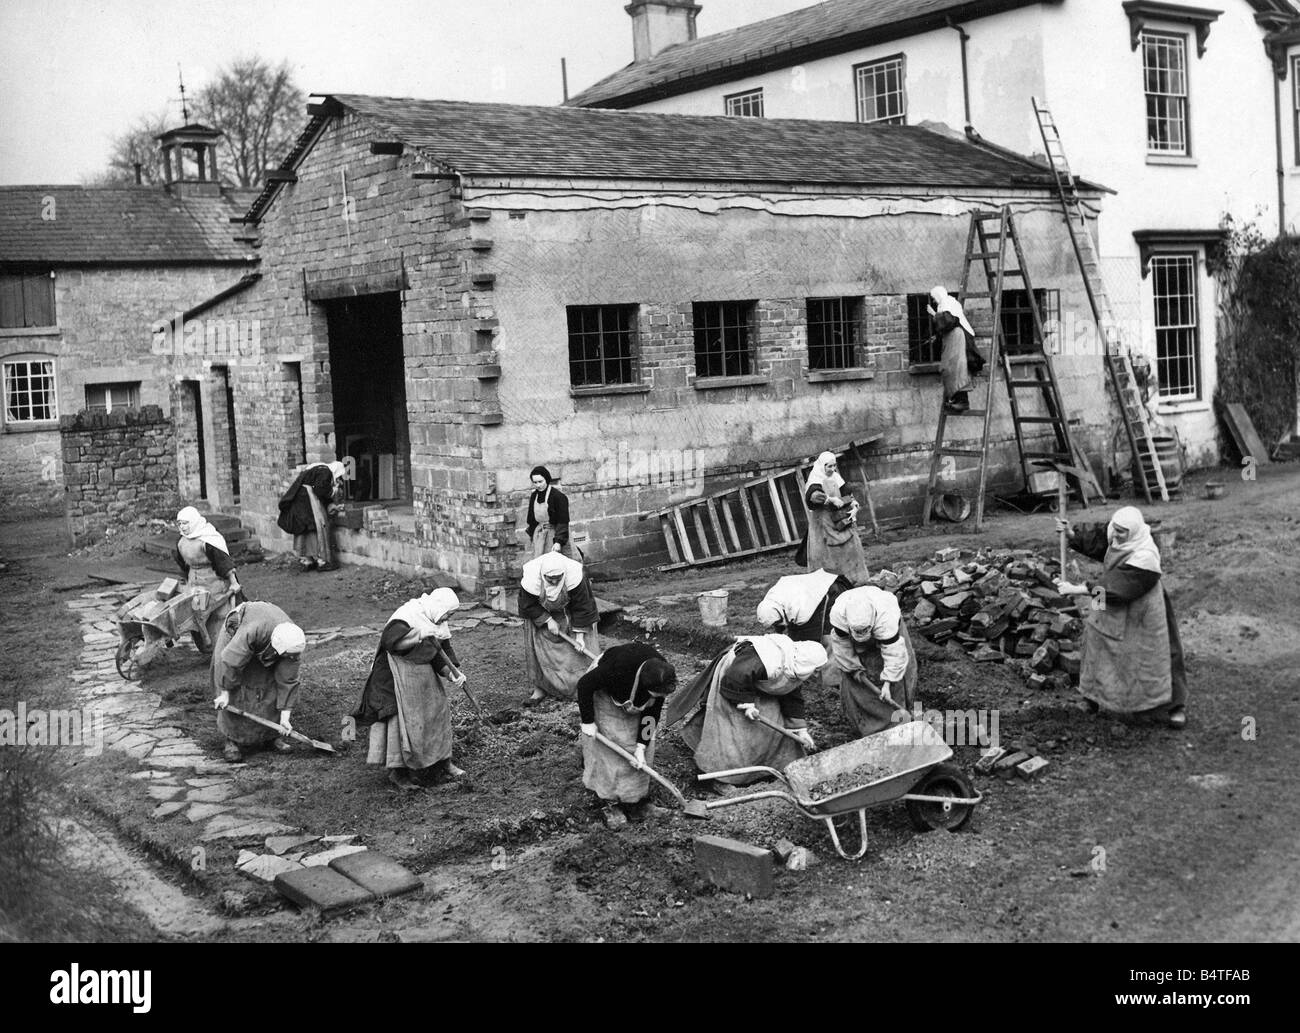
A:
<point x="1029" y="372"/>
<point x="762" y="515"/>
<point x="1118" y="360"/>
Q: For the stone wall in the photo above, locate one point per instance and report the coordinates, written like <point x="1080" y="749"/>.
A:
<point x="117" y="467"/>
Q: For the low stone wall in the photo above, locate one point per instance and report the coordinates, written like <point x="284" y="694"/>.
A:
<point x="117" y="467"/>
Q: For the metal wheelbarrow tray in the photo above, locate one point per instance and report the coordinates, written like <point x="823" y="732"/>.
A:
<point x="912" y="755"/>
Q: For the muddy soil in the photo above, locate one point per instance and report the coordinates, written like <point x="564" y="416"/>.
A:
<point x="1132" y="833"/>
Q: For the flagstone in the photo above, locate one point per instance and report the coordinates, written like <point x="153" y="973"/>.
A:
<point x="233" y="826"/>
<point x="164" y="810"/>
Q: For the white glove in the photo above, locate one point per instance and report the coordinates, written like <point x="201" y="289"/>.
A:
<point x="638" y="758"/>
<point x="885" y="694"/>
<point x="458" y="679"/>
<point x="581" y="639"/>
<point x="222" y="701"/>
<point x="750" y="710"/>
<point x="1069" y="588"/>
<point x="1062" y="525"/>
<point x="557" y="547"/>
<point x="284" y="722"/>
<point x="804" y="736"/>
<point x="552" y="625"/>
<point x="588" y="729"/>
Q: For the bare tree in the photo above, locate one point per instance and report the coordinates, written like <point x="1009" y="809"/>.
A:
<point x="259" y="109"/>
<point x="137" y="144"/>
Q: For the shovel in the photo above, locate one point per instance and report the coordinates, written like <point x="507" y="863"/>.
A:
<point x="478" y="710"/>
<point x="1062" y="471"/>
<point x="782" y="729"/>
<point x="692" y="808"/>
<point x="580" y="649"/>
<point x="293" y="733"/>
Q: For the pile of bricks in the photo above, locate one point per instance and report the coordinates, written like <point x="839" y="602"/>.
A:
<point x="1000" y="606"/>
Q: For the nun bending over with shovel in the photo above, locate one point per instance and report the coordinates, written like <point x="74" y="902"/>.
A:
<point x="870" y="643"/>
<point x="559" y="612"/>
<point x="405" y="697"/>
<point x="255" y="662"/>
<point x="753" y="713"/>
<point x="620" y="699"/>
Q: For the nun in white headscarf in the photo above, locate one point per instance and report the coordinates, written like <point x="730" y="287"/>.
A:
<point x="870" y="646"/>
<point x="762" y="675"/>
<point x="304" y="513"/>
<point x="405" y="698"/>
<point x="952" y="328"/>
<point x="204" y="559"/>
<point x="255" y="664"/>
<point x="1132" y="654"/>
<point x="833" y="543"/>
<point x="555" y="600"/>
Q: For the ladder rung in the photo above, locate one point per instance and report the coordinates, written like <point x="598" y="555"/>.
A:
<point x="966" y="412"/>
<point x="959" y="452"/>
<point x="977" y="294"/>
<point x="1047" y="455"/>
<point x="1040" y="419"/>
<point x="1029" y="383"/>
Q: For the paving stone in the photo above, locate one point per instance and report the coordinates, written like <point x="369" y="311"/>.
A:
<point x="151" y="774"/>
<point x="244" y="857"/>
<point x="165" y="792"/>
<point x="203" y="783"/>
<point x="339" y="839"/>
<point x="184" y="760"/>
<point x="322" y="888"/>
<point x="164" y="810"/>
<point x="735" y="866"/>
<point x="378" y="873"/>
<point x="236" y="827"/>
<point x="204" y="811"/>
<point x="211" y="794"/>
<point x="267" y="866"/>
<point x="281" y="844"/>
<point x="326" y="856"/>
<point x="137" y="745"/>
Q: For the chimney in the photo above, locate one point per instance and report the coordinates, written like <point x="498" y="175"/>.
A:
<point x="139" y="172"/>
<point x="659" y="24"/>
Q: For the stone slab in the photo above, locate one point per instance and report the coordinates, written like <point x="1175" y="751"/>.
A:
<point x="322" y="888"/>
<point x="267" y="866"/>
<point x="283" y="844"/>
<point x="326" y="856"/>
<point x="377" y="872"/>
<point x="237" y="827"/>
<point x="735" y="866"/>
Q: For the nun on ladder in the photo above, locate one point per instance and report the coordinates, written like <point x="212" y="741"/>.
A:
<point x="954" y="330"/>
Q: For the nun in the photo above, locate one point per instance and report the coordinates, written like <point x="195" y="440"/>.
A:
<point x="304" y="513"/>
<point x="1132" y="654"/>
<point x="873" y="658"/>
<point x="759" y="676"/>
<point x="833" y="543"/>
<point x="204" y="559"/>
<point x="405" y="699"/>
<point x="255" y="665"/>
<point x="548" y="515"/>
<point x="952" y="328"/>
<point x="556" y="602"/>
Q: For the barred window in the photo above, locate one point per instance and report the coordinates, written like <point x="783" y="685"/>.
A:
<point x="748" y="104"/>
<point x="1164" y="71"/>
<point x="724" y="338"/>
<point x="879" y="90"/>
<point x="602" y="345"/>
<point x="26" y="299"/>
<point x="112" y="397"/>
<point x="30" y="395"/>
<point x="834" y="332"/>
<point x="920" y="329"/>
<point x="1295" y="104"/>
<point x="1178" y="348"/>
<point x="1018" y="319"/>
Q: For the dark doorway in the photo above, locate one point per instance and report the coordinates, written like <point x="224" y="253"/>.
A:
<point x="368" y="378"/>
<point x="193" y="404"/>
<point x="234" y="437"/>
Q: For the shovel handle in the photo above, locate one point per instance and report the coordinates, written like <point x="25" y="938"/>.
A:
<point x="783" y="730"/>
<point x="456" y="671"/>
<point x="293" y="733"/>
<point x="648" y="770"/>
<point x="580" y="649"/>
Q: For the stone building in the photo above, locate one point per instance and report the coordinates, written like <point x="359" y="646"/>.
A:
<point x="85" y="273"/>
<point x="450" y="293"/>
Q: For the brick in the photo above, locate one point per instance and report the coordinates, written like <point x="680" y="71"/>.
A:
<point x="734" y="866"/>
<point x="1070" y="663"/>
<point x="1031" y="768"/>
<point x="990" y="757"/>
<point x="322" y="888"/>
<point x="378" y="873"/>
<point x="1006" y="765"/>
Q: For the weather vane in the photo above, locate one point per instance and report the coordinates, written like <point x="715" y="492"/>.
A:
<point x="185" y="111"/>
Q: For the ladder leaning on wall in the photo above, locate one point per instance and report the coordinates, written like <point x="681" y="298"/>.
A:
<point x="1119" y="363"/>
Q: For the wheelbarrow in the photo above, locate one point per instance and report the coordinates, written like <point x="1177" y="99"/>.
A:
<point x="905" y="762"/>
<point x="157" y="618"/>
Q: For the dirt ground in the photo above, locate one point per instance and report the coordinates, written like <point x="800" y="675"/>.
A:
<point x="1134" y="833"/>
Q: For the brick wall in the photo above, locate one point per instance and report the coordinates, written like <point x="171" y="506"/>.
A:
<point x="117" y="467"/>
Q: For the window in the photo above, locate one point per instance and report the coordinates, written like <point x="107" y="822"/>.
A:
<point x="834" y="332"/>
<point x="724" y="338"/>
<point x="1018" y="319"/>
<point x="1178" y="352"/>
<point x="30" y="395"/>
<point x="920" y="350"/>
<point x="112" y="397"/>
<point x="879" y="86"/>
<point x="602" y="345"/>
<point x="748" y="104"/>
<point x="26" y="299"/>
<point x="1295" y="104"/>
<point x="1164" y="72"/>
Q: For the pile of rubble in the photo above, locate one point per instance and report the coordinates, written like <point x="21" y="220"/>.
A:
<point x="999" y="605"/>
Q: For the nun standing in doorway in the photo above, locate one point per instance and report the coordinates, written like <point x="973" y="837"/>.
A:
<point x="304" y="514"/>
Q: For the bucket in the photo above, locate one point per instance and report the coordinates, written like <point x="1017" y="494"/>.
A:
<point x="713" y="608"/>
<point x="1215" y="489"/>
<point x="1165" y="541"/>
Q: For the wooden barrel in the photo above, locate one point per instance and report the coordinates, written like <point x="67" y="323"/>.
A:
<point x="1169" y="456"/>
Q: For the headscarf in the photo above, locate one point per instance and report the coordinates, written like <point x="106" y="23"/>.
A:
<point x="786" y="660"/>
<point x="539" y="572"/>
<point x="944" y="302"/>
<point x="338" y="470"/>
<point x="194" y="524"/>
<point x="288" y="638"/>
<point x="1137" y="548"/>
<point x="429" y="612"/>
<point x="819" y="476"/>
<point x="867" y="613"/>
<point x="543" y="472"/>
<point x="794" y="598"/>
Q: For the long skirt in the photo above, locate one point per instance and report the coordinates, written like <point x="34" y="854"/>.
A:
<point x="1133" y="656"/>
<point x="863" y="709"/>
<point x="419" y="734"/>
<point x="219" y="597"/>
<point x="952" y="363"/>
<point x="604" y="772"/>
<point x="315" y="543"/>
<point x="544" y="538"/>
<point x="554" y="666"/>
<point x="723" y="738"/>
<point x="837" y="551"/>
<point x="256" y="694"/>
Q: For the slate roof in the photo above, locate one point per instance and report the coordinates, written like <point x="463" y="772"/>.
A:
<point x="555" y="142"/>
<point x="834" y="27"/>
<point x="137" y="225"/>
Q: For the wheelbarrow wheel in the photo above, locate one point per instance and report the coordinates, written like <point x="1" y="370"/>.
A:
<point x="128" y="658"/>
<point x="942" y="780"/>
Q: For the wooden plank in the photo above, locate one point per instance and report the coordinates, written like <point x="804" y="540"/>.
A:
<point x="1244" y="435"/>
<point x="783" y="489"/>
<point x="717" y="527"/>
<point x="756" y="507"/>
<point x="681" y="534"/>
<point x="724" y="503"/>
<point x="747" y="512"/>
<point x="705" y="551"/>
<point x="778" y="510"/>
<point x="670" y="539"/>
<point x="866" y="485"/>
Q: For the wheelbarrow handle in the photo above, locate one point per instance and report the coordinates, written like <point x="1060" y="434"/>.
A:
<point x="648" y="770"/>
<point x="759" y="769"/>
<point x="764" y="794"/>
